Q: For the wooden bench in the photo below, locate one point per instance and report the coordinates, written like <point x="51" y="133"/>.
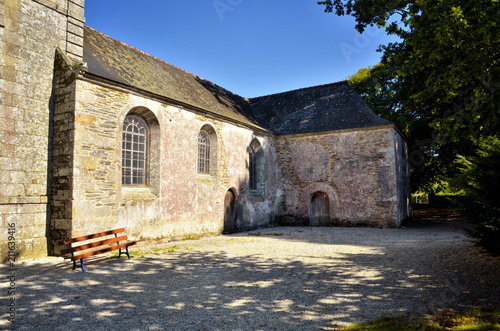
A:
<point x="92" y="248"/>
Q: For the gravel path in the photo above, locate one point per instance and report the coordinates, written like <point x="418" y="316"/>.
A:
<point x="278" y="278"/>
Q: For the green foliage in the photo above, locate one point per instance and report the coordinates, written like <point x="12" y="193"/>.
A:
<point x="441" y="84"/>
<point x="484" y="318"/>
<point x="480" y="179"/>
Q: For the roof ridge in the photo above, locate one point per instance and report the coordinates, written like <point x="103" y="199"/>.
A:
<point x="163" y="61"/>
<point x="299" y="89"/>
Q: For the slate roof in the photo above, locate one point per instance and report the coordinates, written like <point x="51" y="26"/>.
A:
<point x="113" y="60"/>
<point x="314" y="109"/>
<point x="320" y="108"/>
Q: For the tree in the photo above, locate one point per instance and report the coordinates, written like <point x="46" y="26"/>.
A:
<point x="384" y="91"/>
<point x="440" y="83"/>
<point x="449" y="49"/>
<point x="480" y="179"/>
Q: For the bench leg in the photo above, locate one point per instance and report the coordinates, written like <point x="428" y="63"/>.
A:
<point x="120" y="253"/>
<point x="81" y="265"/>
<point x="128" y="255"/>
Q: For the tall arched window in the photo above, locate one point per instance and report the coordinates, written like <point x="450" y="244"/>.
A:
<point x="252" y="168"/>
<point x="135" y="151"/>
<point x="203" y="152"/>
<point x="256" y="168"/>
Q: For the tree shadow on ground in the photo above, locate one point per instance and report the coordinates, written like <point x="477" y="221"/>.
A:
<point x="330" y="282"/>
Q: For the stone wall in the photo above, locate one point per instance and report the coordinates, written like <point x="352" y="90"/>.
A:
<point x="355" y="169"/>
<point x="178" y="202"/>
<point x="30" y="32"/>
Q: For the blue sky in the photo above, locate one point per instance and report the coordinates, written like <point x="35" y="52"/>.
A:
<point x="250" y="47"/>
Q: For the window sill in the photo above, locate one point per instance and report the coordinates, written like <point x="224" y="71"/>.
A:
<point x="137" y="192"/>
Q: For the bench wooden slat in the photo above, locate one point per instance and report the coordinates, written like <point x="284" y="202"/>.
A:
<point x="90" y="236"/>
<point x="93" y="244"/>
<point x="108" y="249"/>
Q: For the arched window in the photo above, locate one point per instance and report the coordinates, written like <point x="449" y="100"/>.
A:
<point x="207" y="151"/>
<point x="252" y="168"/>
<point x="135" y="139"/>
<point x="203" y="152"/>
<point x="256" y="168"/>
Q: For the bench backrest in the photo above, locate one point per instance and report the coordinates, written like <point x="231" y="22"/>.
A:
<point x="90" y="236"/>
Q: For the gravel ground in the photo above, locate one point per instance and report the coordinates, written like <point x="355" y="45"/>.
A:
<point x="298" y="278"/>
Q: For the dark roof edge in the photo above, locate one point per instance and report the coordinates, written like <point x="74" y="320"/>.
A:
<point x="105" y="82"/>
<point x="401" y="133"/>
<point x="300" y="89"/>
<point x="163" y="61"/>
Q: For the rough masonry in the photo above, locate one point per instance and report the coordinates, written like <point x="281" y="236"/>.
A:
<point x="314" y="156"/>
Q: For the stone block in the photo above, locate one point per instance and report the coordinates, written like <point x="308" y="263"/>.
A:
<point x="7" y="124"/>
<point x="75" y="51"/>
<point x="76" y="11"/>
<point x="57" y="5"/>
<point x="74" y="21"/>
<point x="8" y="73"/>
<point x="63" y="224"/>
<point x="35" y="189"/>
<point x="7" y="151"/>
<point x="75" y="39"/>
<point x="75" y="29"/>
<point x="80" y="3"/>
<point x="18" y="177"/>
<point x="13" y="164"/>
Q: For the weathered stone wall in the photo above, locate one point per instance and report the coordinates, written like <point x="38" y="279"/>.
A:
<point x="30" y="32"/>
<point x="356" y="170"/>
<point x="179" y="201"/>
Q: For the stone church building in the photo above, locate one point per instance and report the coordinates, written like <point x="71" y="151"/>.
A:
<point x="97" y="135"/>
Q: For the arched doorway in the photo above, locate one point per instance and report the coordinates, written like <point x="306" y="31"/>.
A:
<point x="319" y="211"/>
<point x="229" y="212"/>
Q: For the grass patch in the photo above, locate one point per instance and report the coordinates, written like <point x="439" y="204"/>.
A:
<point x="171" y="249"/>
<point x="484" y="318"/>
<point x="131" y="253"/>
<point x="144" y="253"/>
<point x="190" y="238"/>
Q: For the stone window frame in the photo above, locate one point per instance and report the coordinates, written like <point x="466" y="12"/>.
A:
<point x="203" y="152"/>
<point x="256" y="169"/>
<point x="135" y="151"/>
<point x="207" y="151"/>
<point x="152" y="185"/>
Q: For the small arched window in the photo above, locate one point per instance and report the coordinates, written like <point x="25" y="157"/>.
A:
<point x="204" y="152"/>
<point x="135" y="139"/>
